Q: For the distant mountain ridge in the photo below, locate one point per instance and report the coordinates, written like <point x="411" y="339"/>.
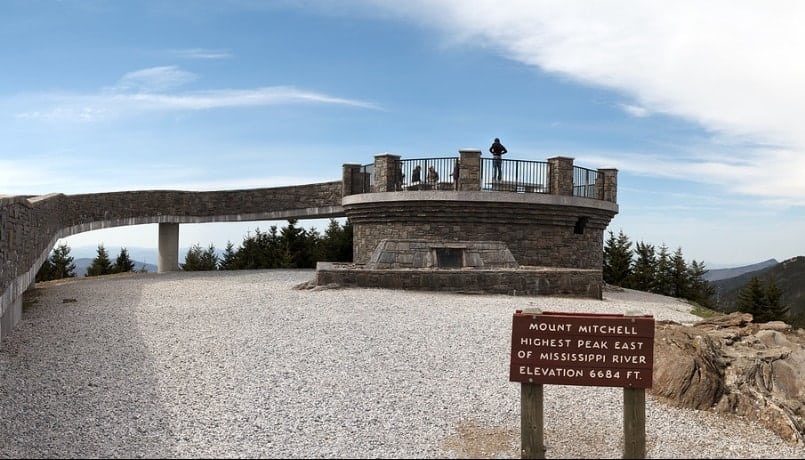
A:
<point x="83" y="263"/>
<point x="789" y="276"/>
<point x="725" y="273"/>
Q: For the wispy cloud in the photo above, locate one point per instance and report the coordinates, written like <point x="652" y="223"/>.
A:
<point x="201" y="53"/>
<point x="153" y="79"/>
<point x="731" y="67"/>
<point x="147" y="90"/>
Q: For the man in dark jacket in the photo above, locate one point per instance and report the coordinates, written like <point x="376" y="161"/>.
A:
<point x="497" y="150"/>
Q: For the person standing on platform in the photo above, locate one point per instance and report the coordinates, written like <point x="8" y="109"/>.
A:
<point x="433" y="176"/>
<point x="415" y="175"/>
<point x="497" y="150"/>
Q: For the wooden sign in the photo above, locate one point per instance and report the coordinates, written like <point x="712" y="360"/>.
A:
<point x="582" y="349"/>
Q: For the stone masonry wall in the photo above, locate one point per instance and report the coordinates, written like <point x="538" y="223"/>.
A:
<point x="536" y="235"/>
<point x="30" y="226"/>
<point x="561" y="282"/>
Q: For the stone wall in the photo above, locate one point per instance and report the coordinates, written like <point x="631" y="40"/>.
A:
<point x="538" y="229"/>
<point x="30" y="226"/>
<point x="523" y="281"/>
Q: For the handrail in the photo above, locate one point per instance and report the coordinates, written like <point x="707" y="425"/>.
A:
<point x="584" y="181"/>
<point x="439" y="178"/>
<point x="515" y="176"/>
<point x="522" y="176"/>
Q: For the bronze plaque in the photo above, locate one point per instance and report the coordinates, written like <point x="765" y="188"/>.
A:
<point x="582" y="349"/>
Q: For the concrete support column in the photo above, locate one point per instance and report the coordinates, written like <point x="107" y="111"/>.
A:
<point x="168" y="260"/>
<point x="608" y="189"/>
<point x="10" y="317"/>
<point x="387" y="173"/>
<point x="561" y="176"/>
<point x="470" y="170"/>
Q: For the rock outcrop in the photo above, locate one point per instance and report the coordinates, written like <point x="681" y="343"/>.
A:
<point x="731" y="365"/>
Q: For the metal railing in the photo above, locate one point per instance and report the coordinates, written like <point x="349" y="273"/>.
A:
<point x="428" y="173"/>
<point x="515" y="176"/>
<point x="584" y="181"/>
<point x="368" y="174"/>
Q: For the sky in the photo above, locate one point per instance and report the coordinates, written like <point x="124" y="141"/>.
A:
<point x="698" y="105"/>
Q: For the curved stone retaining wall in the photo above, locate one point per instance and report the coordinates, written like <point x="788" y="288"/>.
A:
<point x="539" y="229"/>
<point x="31" y="226"/>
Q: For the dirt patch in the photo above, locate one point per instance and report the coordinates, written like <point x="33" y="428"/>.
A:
<point x="476" y="441"/>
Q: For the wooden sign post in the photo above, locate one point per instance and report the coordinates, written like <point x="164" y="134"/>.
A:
<point x="582" y="349"/>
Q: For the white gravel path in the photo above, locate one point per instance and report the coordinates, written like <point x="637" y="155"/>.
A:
<point x="241" y="365"/>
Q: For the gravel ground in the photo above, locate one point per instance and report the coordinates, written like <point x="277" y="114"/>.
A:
<point x="241" y="365"/>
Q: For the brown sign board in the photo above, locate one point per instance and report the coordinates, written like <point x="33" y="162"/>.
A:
<point x="582" y="349"/>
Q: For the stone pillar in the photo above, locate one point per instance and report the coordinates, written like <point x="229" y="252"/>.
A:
<point x="560" y="181"/>
<point x="168" y="260"/>
<point x="470" y="170"/>
<point x="352" y="180"/>
<point x="608" y="189"/>
<point x="387" y="167"/>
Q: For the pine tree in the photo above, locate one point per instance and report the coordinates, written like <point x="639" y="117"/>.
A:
<point x="664" y="274"/>
<point x="198" y="259"/>
<point x="336" y="246"/>
<point x="644" y="274"/>
<point x="101" y="265"/>
<point x="296" y="250"/>
<point x="229" y="259"/>
<point x="774" y="310"/>
<point x="617" y="259"/>
<point x="63" y="266"/>
<point x="123" y="263"/>
<point x="680" y="283"/>
<point x="209" y="259"/>
<point x="46" y="272"/>
<point x="751" y="299"/>
<point x="701" y="290"/>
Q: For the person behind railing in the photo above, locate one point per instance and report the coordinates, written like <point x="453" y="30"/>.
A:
<point x="398" y="181"/>
<point x="415" y="175"/>
<point x="455" y="174"/>
<point x="433" y="176"/>
<point x="497" y="150"/>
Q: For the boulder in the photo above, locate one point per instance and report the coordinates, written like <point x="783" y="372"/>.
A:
<point x="729" y="364"/>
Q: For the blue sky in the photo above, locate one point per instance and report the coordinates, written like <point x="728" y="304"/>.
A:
<point x="699" y="105"/>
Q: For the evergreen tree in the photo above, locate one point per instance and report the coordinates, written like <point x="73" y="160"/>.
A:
<point x="664" y="273"/>
<point x="63" y="265"/>
<point x="336" y="246"/>
<point x="296" y="247"/>
<point x="260" y="251"/>
<point x="680" y="283"/>
<point x="617" y="259"/>
<point x="751" y="299"/>
<point x="198" y="259"/>
<point x="101" y="265"/>
<point x="123" y="263"/>
<point x="46" y="272"/>
<point x="58" y="265"/>
<point x="344" y="243"/>
<point x="644" y="274"/>
<point x="229" y="259"/>
<point x="762" y="302"/>
<point x="701" y="290"/>
<point x="774" y="310"/>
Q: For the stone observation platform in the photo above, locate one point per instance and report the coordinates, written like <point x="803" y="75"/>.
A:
<point x="537" y="230"/>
